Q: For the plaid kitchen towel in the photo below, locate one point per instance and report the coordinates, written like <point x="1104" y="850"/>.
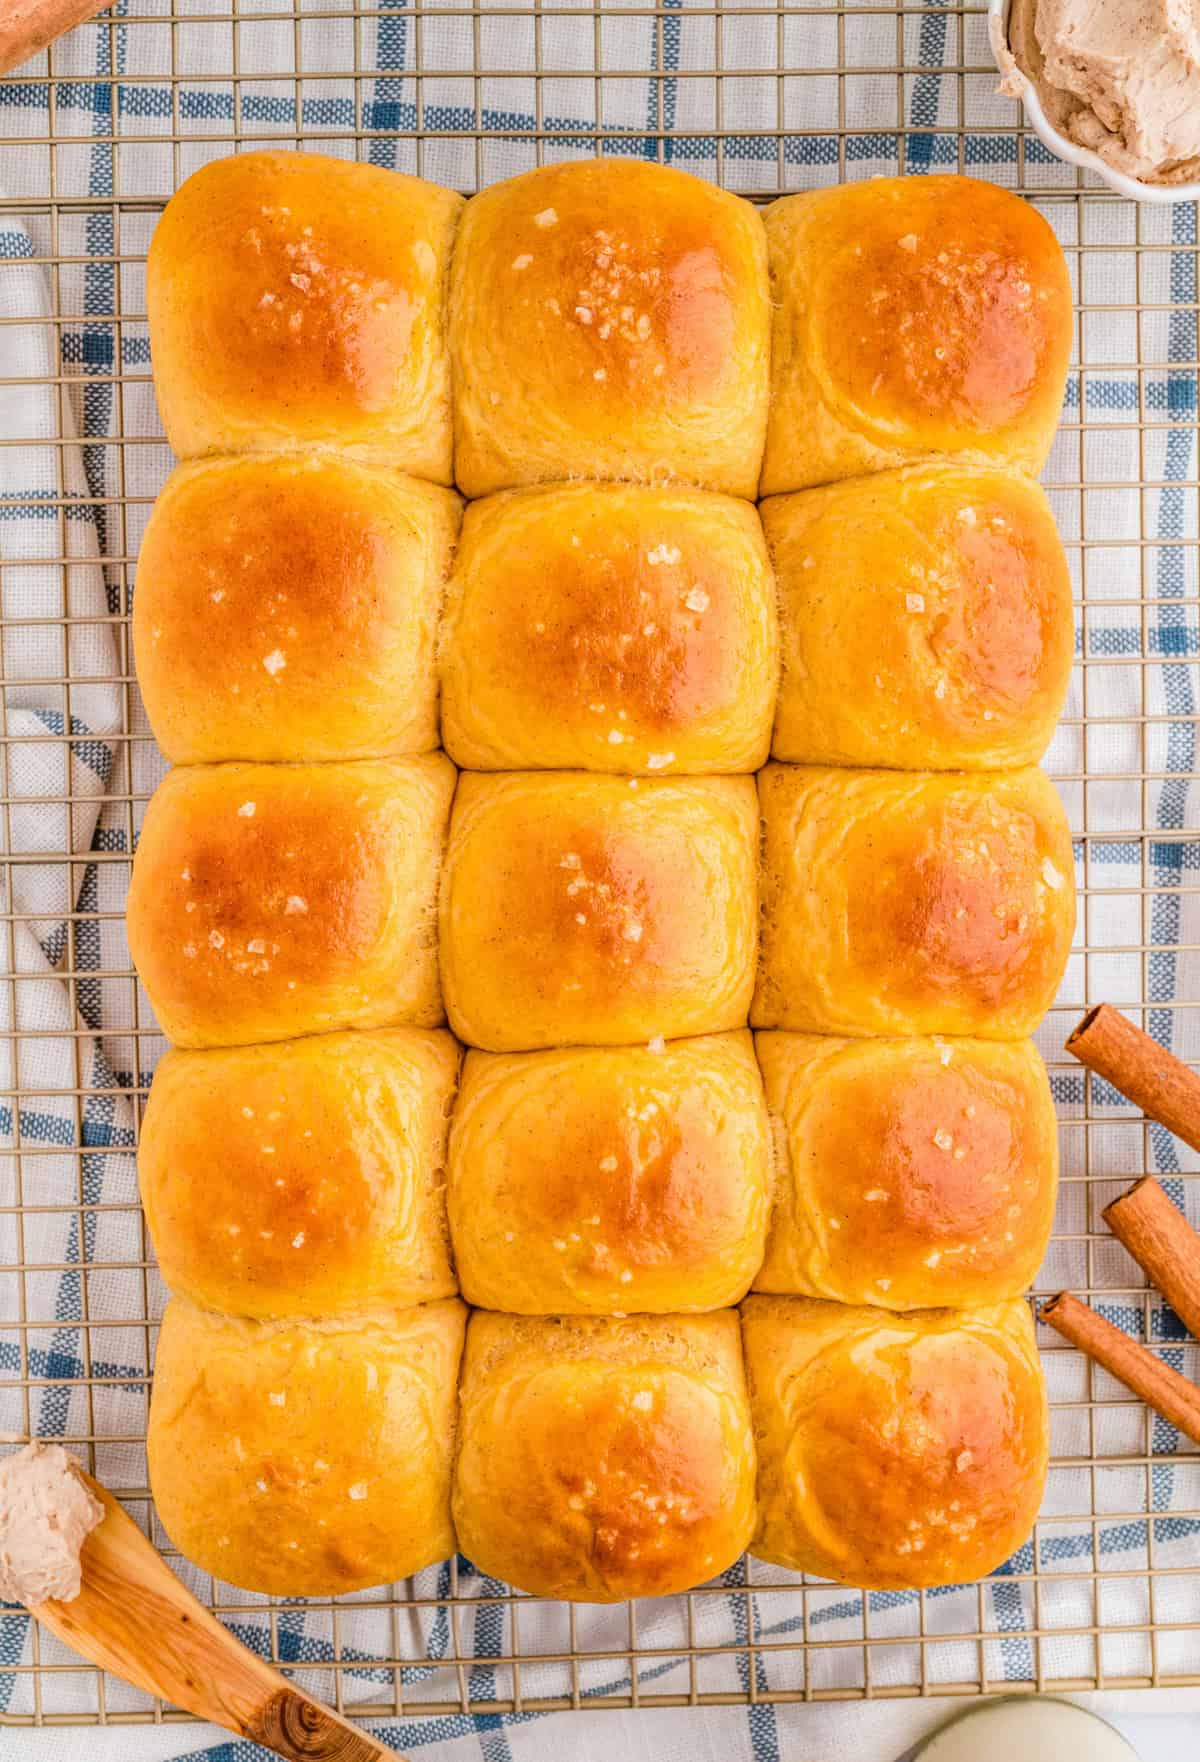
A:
<point x="71" y="516"/>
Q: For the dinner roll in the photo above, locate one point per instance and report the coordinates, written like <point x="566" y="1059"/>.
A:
<point x="609" y="318"/>
<point x="908" y="1173"/>
<point x="304" y="1459"/>
<point x="912" y="903"/>
<point x="287" y="608"/>
<point x="327" y="1189"/>
<point x="943" y="591"/>
<point x="601" y="1180"/>
<point x="600" y="1460"/>
<point x="273" y="900"/>
<point x="912" y="317"/>
<point x="612" y="628"/>
<point x="295" y="299"/>
<point x="894" y="1451"/>
<point x="598" y="910"/>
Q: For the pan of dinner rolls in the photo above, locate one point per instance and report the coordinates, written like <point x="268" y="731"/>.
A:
<point x="604" y="635"/>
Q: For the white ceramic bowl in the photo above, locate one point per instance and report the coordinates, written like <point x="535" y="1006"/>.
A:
<point x="1068" y="150"/>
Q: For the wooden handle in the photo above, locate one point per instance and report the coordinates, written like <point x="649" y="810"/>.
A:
<point x="28" y="25"/>
<point x="303" y="1730"/>
<point x="133" y="1617"/>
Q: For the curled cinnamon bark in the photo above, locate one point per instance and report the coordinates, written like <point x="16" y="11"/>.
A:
<point x="1161" y="1084"/>
<point x="1134" y="1365"/>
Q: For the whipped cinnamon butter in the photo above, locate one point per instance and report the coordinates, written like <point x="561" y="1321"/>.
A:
<point x="46" y="1515"/>
<point x="1119" y="76"/>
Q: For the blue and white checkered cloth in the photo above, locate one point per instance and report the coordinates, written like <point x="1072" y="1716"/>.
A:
<point x="1140" y="544"/>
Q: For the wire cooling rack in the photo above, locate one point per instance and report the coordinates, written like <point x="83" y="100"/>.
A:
<point x="93" y="138"/>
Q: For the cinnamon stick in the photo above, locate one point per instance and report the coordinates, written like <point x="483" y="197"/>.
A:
<point x="1161" y="1084"/>
<point x="1155" y="1383"/>
<point x="1164" y="1245"/>
<point x="28" y="25"/>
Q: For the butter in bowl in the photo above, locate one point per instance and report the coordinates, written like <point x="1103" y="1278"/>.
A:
<point x="1112" y="86"/>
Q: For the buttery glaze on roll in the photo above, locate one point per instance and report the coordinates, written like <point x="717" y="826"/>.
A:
<point x="304" y="1178"/>
<point x="298" y="300"/>
<point x="610" y="627"/>
<point x="912" y="903"/>
<point x="610" y="1180"/>
<point x="304" y="1459"/>
<point x="287" y="608"/>
<point x="274" y="900"/>
<point x="942" y="589"/>
<point x="609" y="319"/>
<point x="912" y="317"/>
<point x="600" y="1460"/>
<point x="894" y="1451"/>
<point x="598" y="910"/>
<point x="908" y="1173"/>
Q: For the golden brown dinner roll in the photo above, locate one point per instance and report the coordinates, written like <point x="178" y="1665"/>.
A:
<point x="303" y="1459"/>
<point x="305" y="1178"/>
<point x="912" y="316"/>
<point x="298" y="299"/>
<point x="602" y="910"/>
<point x="274" y="900"/>
<point x="912" y="903"/>
<point x="926" y="620"/>
<point x="613" y="628"/>
<point x="894" y="1451"/>
<point x="603" y="1459"/>
<point x="287" y="608"/>
<point x="908" y="1173"/>
<point x="609" y="1180"/>
<point x="609" y="318"/>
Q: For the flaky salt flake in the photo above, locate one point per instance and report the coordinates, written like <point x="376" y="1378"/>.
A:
<point x="298" y="1239"/>
<point x="547" y="217"/>
<point x="658" y="1044"/>
<point x="358" y="1490"/>
<point x="295" y="905"/>
<point x="247" y="810"/>
<point x="663" y="553"/>
<point x="656" y="761"/>
<point x="697" y="600"/>
<point x="275" y="662"/>
<point x="908" y="242"/>
<point x="1052" y="876"/>
<point x="523" y="261"/>
<point x="643" y="1400"/>
<point x="277" y="1397"/>
<point x="914" y="602"/>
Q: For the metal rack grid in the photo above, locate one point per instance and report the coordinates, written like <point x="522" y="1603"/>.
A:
<point x="766" y="98"/>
